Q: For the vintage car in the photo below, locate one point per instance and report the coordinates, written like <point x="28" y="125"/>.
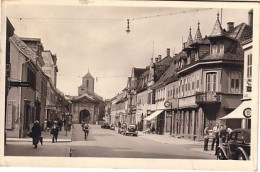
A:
<point x="131" y="130"/>
<point x="122" y="129"/>
<point x="237" y="146"/>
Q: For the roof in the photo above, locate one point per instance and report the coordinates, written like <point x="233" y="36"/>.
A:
<point x="169" y="73"/>
<point x="138" y="71"/>
<point x="26" y="50"/>
<point x="88" y="75"/>
<point x="217" y="29"/>
<point x="241" y="32"/>
<point x="31" y="39"/>
<point x="161" y="66"/>
<point x="140" y="86"/>
<point x="198" y="36"/>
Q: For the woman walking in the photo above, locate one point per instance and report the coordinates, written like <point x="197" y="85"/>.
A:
<point x="36" y="133"/>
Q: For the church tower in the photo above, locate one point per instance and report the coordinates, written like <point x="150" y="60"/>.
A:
<point x="87" y="85"/>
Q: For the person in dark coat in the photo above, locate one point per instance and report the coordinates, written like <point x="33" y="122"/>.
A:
<point x="36" y="133"/>
<point x="55" y="132"/>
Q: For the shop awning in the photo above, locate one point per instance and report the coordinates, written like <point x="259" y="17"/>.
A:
<point x="153" y="115"/>
<point x="243" y="111"/>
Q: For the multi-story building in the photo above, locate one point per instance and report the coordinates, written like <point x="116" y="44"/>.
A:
<point x="20" y="110"/>
<point x="210" y="79"/>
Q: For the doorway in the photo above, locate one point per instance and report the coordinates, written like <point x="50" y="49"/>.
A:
<point x="84" y="115"/>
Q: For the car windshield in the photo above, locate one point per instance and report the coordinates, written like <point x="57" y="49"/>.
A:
<point x="132" y="126"/>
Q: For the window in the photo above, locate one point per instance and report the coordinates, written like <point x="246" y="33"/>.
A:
<point x="198" y="83"/>
<point x="211" y="80"/>
<point x="87" y="83"/>
<point x="192" y="86"/>
<point x="235" y="82"/>
<point x="217" y="48"/>
<point x="249" y="66"/>
<point x="31" y="79"/>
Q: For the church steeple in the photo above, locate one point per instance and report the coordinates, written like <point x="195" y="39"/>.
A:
<point x="87" y="85"/>
<point x="198" y="36"/>
<point x="217" y="29"/>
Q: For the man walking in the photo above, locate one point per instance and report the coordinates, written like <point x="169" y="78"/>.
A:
<point x="55" y="132"/>
<point x="86" y="131"/>
<point x="215" y="137"/>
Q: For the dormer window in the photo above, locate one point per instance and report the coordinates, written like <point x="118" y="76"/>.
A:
<point x="217" y="48"/>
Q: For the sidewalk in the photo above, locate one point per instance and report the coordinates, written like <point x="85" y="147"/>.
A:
<point x="47" y="149"/>
<point x="168" y="139"/>
<point x="46" y="137"/>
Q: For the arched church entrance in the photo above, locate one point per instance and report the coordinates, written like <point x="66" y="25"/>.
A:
<point x="84" y="115"/>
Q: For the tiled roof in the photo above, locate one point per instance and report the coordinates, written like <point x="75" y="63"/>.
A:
<point x="241" y="32"/>
<point x="140" y="86"/>
<point x="138" y="71"/>
<point x="170" y="73"/>
<point x="27" y="51"/>
<point x="161" y="67"/>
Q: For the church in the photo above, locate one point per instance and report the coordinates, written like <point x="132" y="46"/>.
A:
<point x="86" y="106"/>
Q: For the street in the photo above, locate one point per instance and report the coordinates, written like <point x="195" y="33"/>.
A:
<point x="108" y="143"/>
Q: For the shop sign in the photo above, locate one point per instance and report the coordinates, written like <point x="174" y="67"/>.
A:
<point x="247" y="112"/>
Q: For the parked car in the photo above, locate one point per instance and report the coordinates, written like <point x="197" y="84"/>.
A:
<point x="112" y="127"/>
<point x="105" y="126"/>
<point x="131" y="130"/>
<point x="237" y="146"/>
<point x="122" y="129"/>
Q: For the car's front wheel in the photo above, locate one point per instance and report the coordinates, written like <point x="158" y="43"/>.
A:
<point x="220" y="155"/>
<point x="240" y="156"/>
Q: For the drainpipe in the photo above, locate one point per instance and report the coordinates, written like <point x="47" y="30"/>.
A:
<point x="20" y="94"/>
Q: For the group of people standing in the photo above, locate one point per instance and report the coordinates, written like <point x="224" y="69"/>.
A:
<point x="219" y="136"/>
<point x="54" y="127"/>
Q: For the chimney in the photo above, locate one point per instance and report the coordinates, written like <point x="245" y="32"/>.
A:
<point x="159" y="58"/>
<point x="168" y="51"/>
<point x="250" y="18"/>
<point x="230" y="25"/>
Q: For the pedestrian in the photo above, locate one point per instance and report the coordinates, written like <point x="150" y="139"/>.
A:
<point x="36" y="133"/>
<point x="54" y="132"/>
<point x="223" y="134"/>
<point x="86" y="130"/>
<point x="206" y="138"/>
<point x="215" y="133"/>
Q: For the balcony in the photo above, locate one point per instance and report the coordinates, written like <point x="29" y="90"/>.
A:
<point x="208" y="97"/>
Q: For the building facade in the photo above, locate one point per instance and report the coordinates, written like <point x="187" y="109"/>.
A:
<point x="85" y="106"/>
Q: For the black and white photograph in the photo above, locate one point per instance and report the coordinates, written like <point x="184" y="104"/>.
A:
<point x="149" y="85"/>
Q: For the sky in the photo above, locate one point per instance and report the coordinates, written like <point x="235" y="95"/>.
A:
<point x="94" y="38"/>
